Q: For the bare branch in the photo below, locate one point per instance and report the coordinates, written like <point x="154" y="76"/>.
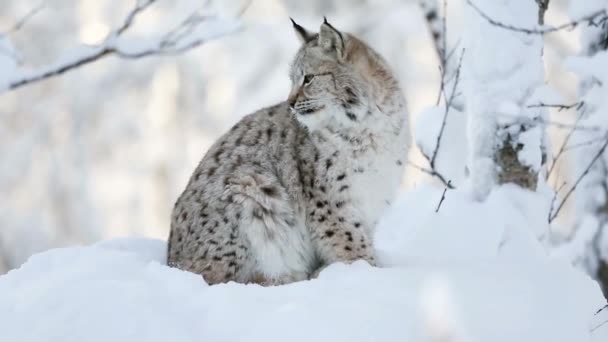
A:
<point x="24" y="20"/>
<point x="432" y="173"/>
<point x="559" y="107"/>
<point x="595" y="18"/>
<point x="584" y="143"/>
<point x="140" y="6"/>
<point x="526" y="121"/>
<point x="597" y="313"/>
<point x="554" y="199"/>
<point x="562" y="148"/>
<point x="599" y="153"/>
<point x="442" y="197"/>
<point x="448" y="105"/>
<point x="599" y="325"/>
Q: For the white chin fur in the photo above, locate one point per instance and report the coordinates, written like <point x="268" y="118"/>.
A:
<point x="312" y="121"/>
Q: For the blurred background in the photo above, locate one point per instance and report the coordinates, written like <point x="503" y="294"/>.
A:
<point x="104" y="151"/>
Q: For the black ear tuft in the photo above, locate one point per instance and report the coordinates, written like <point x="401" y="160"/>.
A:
<point x="331" y="39"/>
<point x="302" y="33"/>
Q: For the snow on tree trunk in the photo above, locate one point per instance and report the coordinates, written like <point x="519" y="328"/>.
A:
<point x="592" y="158"/>
<point x="503" y="71"/>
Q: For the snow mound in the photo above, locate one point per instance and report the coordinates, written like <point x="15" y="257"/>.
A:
<point x="471" y="272"/>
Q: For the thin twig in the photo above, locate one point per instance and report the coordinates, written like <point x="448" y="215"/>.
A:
<point x="7" y="50"/>
<point x="432" y="173"/>
<point x="601" y="309"/>
<point x="590" y="18"/>
<point x="448" y="105"/>
<point x="554" y="199"/>
<point x="24" y="20"/>
<point x="139" y="7"/>
<point x="599" y="325"/>
<point x="442" y="197"/>
<point x="519" y="120"/>
<point x="583" y="144"/>
<point x="562" y="148"/>
<point x="560" y="107"/>
<point x="552" y="216"/>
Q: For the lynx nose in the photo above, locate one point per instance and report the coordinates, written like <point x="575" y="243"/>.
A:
<point x="292" y="99"/>
<point x="291" y="102"/>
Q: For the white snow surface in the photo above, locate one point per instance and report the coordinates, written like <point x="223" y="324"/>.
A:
<point x="470" y="272"/>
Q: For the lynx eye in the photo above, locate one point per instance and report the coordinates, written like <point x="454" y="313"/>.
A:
<point x="308" y="79"/>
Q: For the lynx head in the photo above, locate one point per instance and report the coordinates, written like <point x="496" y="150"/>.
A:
<point x="337" y="80"/>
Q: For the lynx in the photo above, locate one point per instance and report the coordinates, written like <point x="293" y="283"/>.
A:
<point x="300" y="185"/>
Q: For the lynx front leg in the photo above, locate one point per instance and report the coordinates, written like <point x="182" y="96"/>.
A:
<point x="340" y="238"/>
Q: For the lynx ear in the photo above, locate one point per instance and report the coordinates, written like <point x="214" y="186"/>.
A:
<point x="330" y="39"/>
<point x="302" y="33"/>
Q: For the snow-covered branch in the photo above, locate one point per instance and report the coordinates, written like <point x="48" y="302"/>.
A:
<point x="506" y="139"/>
<point x="190" y="33"/>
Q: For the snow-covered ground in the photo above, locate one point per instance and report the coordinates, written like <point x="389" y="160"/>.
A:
<point x="86" y="165"/>
<point x="469" y="272"/>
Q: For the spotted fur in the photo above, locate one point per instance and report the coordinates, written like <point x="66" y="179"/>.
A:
<point x="301" y="184"/>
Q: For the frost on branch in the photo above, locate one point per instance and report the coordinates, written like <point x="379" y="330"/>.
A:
<point x="502" y="73"/>
<point x="194" y="29"/>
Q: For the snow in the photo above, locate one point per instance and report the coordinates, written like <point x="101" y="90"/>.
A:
<point x="8" y="61"/>
<point x="88" y="165"/>
<point x="580" y="9"/>
<point x="501" y="70"/>
<point x="470" y="272"/>
<point x="589" y="244"/>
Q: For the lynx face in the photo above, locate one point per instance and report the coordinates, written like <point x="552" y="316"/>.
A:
<point x="328" y="88"/>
